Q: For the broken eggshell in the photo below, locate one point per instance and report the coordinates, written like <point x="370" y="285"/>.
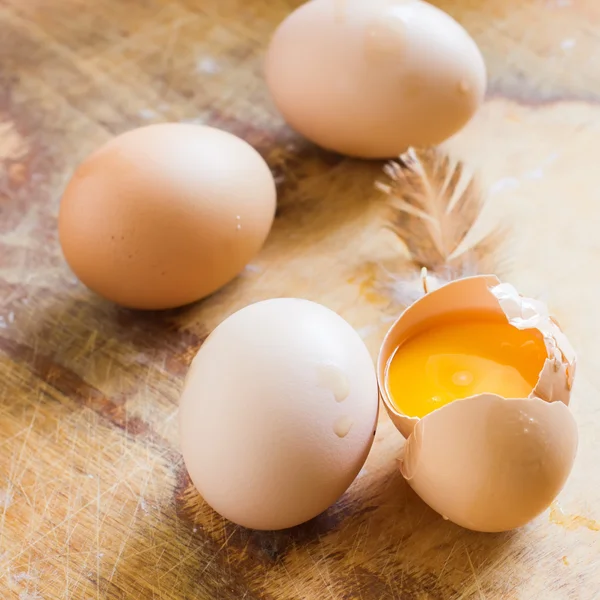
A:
<point x="486" y="462"/>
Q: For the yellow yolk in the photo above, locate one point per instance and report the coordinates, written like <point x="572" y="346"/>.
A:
<point x="460" y="359"/>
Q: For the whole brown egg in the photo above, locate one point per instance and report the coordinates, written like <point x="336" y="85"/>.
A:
<point x="370" y="78"/>
<point x="165" y="215"/>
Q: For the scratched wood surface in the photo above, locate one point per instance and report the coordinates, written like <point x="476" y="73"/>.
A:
<point x="94" y="498"/>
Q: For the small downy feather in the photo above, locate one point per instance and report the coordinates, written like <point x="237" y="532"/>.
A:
<point x="433" y="207"/>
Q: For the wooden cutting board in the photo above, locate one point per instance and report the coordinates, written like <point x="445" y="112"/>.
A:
<point x="94" y="499"/>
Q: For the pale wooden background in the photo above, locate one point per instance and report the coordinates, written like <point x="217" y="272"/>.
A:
<point x="94" y="499"/>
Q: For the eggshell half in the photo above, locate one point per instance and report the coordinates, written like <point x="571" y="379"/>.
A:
<point x="278" y="413"/>
<point x="369" y="78"/>
<point x="485" y="462"/>
<point x="491" y="464"/>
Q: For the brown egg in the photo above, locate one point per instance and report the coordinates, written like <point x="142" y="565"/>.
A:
<point x="487" y="462"/>
<point x="371" y="78"/>
<point x="278" y="413"/>
<point x="164" y="215"/>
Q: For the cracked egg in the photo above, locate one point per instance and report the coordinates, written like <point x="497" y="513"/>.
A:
<point x="478" y="379"/>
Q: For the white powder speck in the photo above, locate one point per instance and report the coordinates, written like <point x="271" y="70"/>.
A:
<point x="535" y="174"/>
<point x="506" y="183"/>
<point x="193" y="121"/>
<point x="388" y="318"/>
<point x="5" y="498"/>
<point x="195" y="530"/>
<point x="171" y="416"/>
<point x="365" y="332"/>
<point x="142" y="359"/>
<point x="253" y="269"/>
<point x="143" y="505"/>
<point x="11" y="317"/>
<point x="208" y="65"/>
<point x="568" y="43"/>
<point x="2" y="323"/>
<point x="147" y="113"/>
<point x="539" y="172"/>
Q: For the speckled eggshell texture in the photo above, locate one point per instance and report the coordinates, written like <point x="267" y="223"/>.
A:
<point x="165" y="215"/>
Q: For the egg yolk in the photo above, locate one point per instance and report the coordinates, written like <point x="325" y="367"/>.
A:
<point x="460" y="359"/>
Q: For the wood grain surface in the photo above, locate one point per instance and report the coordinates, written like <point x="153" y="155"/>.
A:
<point x="94" y="499"/>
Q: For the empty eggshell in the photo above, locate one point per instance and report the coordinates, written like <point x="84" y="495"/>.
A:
<point x="165" y="215"/>
<point x="278" y="413"/>
<point x="486" y="462"/>
<point x="372" y="78"/>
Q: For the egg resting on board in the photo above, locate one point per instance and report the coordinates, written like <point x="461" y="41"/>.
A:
<point x="278" y="413"/>
<point x="369" y="78"/>
<point x="165" y="215"/>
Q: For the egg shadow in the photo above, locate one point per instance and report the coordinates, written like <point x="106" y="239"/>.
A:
<point x="313" y="201"/>
<point x="378" y="541"/>
<point x="317" y="190"/>
<point x="71" y="326"/>
<point x="86" y="347"/>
